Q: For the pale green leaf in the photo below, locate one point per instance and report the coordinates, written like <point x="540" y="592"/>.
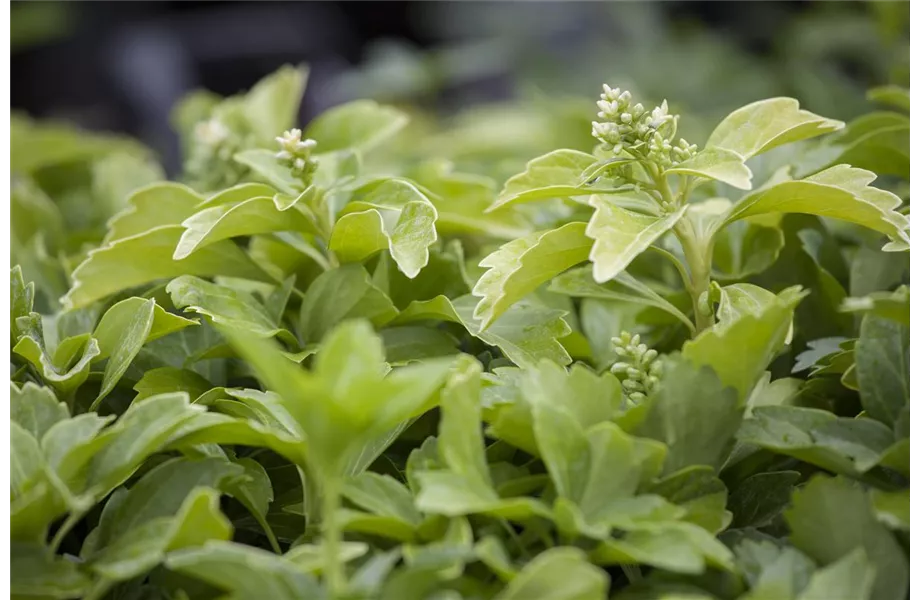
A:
<point x="271" y="106"/>
<point x="362" y="125"/>
<point x="339" y="294"/>
<point x="35" y="408"/>
<point x="382" y="495"/>
<point x="526" y="334"/>
<point x="850" y="577"/>
<point x="392" y="215"/>
<point x="244" y="571"/>
<point x="165" y="380"/>
<point x="620" y="235"/>
<point x="225" y="306"/>
<point x="720" y="164"/>
<point x="164" y="203"/>
<point x="115" y="267"/>
<point x="68" y="367"/>
<point x="742" y="350"/>
<point x="110" y="330"/>
<point x="520" y="266"/>
<point x="266" y="165"/>
<point x="558" y="574"/>
<point x="766" y="124"/>
<point x="250" y="217"/>
<point x="892" y="95"/>
<point x="558" y="174"/>
<point x="892" y="508"/>
<point x="830" y="518"/>
<point x="34" y="573"/>
<point x="890" y="305"/>
<point x="840" y="192"/>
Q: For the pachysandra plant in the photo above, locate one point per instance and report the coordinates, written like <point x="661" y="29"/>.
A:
<point x="328" y="363"/>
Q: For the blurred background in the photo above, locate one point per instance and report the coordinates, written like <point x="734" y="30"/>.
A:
<point x="121" y="66"/>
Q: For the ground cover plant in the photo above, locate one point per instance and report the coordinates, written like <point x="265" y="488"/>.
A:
<point x="329" y="363"/>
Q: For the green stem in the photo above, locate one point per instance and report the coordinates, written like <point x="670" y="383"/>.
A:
<point x="699" y="257"/>
<point x="72" y="519"/>
<point x="332" y="534"/>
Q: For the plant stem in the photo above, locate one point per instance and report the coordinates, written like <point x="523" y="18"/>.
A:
<point x="332" y="534"/>
<point x="72" y="519"/>
<point x="699" y="257"/>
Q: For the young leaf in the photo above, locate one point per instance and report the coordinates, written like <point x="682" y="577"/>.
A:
<point x="558" y="174"/>
<point x="271" y="106"/>
<point x="225" y="306"/>
<point x="392" y="215"/>
<point x="766" y="124"/>
<point x="267" y="166"/>
<point x="362" y="125"/>
<point x="36" y="573"/>
<point x="525" y="334"/>
<point x="244" y="571"/>
<point x="519" y="267"/>
<point x="621" y="235"/>
<point x="560" y="574"/>
<point x="158" y="204"/>
<point x="113" y="268"/>
<point x="719" y="164"/>
<point x="840" y="192"/>
<point x="830" y="518"/>
<point x="225" y="221"/>
<point x="740" y="351"/>
<point x="68" y="367"/>
<point x="340" y="294"/>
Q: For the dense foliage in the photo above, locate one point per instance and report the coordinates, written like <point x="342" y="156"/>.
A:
<point x="331" y="363"/>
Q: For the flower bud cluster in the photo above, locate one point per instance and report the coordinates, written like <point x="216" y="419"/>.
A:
<point x="296" y="153"/>
<point x="628" y="127"/>
<point x="638" y="367"/>
<point x="210" y="162"/>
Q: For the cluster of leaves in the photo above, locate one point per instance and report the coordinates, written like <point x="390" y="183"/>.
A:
<point x="335" y="369"/>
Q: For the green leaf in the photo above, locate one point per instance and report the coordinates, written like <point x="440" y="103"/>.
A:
<point x="114" y="268"/>
<point x="763" y="125"/>
<point x="110" y="330"/>
<point x="621" y="235"/>
<point x="128" y="328"/>
<point x="580" y="283"/>
<point x="558" y="174"/>
<point x="878" y="142"/>
<point x="35" y="408"/>
<point x="892" y="95"/>
<point x="840" y="192"/>
<point x="519" y="267"/>
<point x="761" y="498"/>
<point x="525" y="334"/>
<point x="745" y="248"/>
<point x="740" y="351"/>
<point x="36" y="574"/>
<point x="839" y="444"/>
<point x="22" y="297"/>
<point x="339" y="294"/>
<point x="892" y="508"/>
<point x="250" y="217"/>
<point x="391" y="215"/>
<point x="361" y="125"/>
<point x="382" y="495"/>
<point x="694" y="414"/>
<point x="699" y="492"/>
<point x="271" y="106"/>
<point x="68" y="367"/>
<point x="558" y="574"/>
<point x="244" y="571"/>
<point x="675" y="546"/>
<point x="882" y="366"/>
<point x="267" y="167"/>
<point x="830" y="518"/>
<point x="408" y="343"/>
<point x="225" y="306"/>
<point x="159" y="204"/>
<point x="889" y="305"/>
<point x="719" y="164"/>
<point x="850" y="577"/>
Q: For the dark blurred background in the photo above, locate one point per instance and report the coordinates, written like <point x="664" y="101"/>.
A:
<point x="121" y="66"/>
